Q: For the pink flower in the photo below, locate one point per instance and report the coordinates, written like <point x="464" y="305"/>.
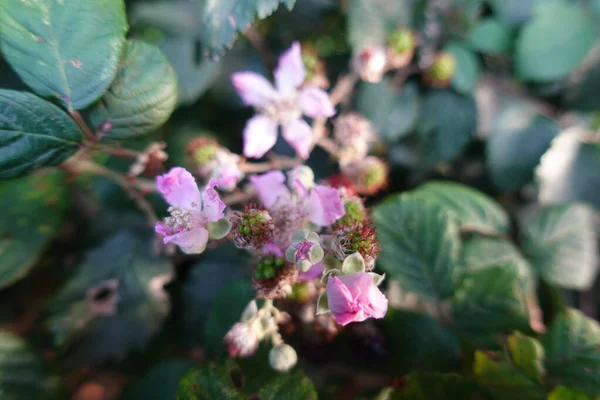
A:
<point x="322" y="205"/>
<point x="312" y="274"/>
<point x="282" y="105"/>
<point x="354" y="298"/>
<point x="190" y="210"/>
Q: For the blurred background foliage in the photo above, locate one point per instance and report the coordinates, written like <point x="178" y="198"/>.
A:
<point x="516" y="233"/>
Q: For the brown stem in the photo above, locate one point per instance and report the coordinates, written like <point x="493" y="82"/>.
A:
<point x="83" y="126"/>
<point x="275" y="162"/>
<point x="118" y="151"/>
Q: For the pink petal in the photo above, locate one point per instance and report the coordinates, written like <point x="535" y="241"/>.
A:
<point x="260" y="135"/>
<point x="339" y="297"/>
<point x="299" y="135"/>
<point x="270" y="187"/>
<point x="254" y="89"/>
<point x="290" y="71"/>
<point x="273" y="249"/>
<point x="190" y="242"/>
<point x="378" y="303"/>
<point x="346" y="318"/>
<point x="359" y="285"/>
<point x="315" y="103"/>
<point x="179" y="188"/>
<point x="324" y="205"/>
<point x="313" y="273"/>
<point x="212" y="206"/>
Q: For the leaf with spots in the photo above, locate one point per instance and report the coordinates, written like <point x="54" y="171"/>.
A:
<point x="64" y="49"/>
<point x="289" y="386"/>
<point x="33" y="133"/>
<point x="35" y="207"/>
<point x="142" y="96"/>
<point x="115" y="302"/>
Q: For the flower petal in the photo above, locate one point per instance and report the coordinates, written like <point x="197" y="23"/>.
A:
<point x="270" y="187"/>
<point x="212" y="206"/>
<point x="190" y="242"/>
<point x="299" y="135"/>
<point x="254" y="89"/>
<point x="378" y="303"/>
<point x="179" y="188"/>
<point x="338" y="296"/>
<point x="359" y="285"/>
<point x="313" y="273"/>
<point x="315" y="103"/>
<point x="260" y="135"/>
<point x="290" y="71"/>
<point x="324" y="205"/>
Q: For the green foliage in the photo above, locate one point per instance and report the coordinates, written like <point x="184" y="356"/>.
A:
<point x="37" y="40"/>
<point x="292" y="386"/>
<point x="467" y="68"/>
<point x="490" y="36"/>
<point x="37" y="207"/>
<point x="429" y="386"/>
<point x="370" y="22"/>
<point x="33" y="133"/>
<point x="161" y="382"/>
<point x="142" y="96"/>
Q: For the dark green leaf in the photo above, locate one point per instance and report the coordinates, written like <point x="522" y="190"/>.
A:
<point x="518" y="139"/>
<point x="210" y="382"/>
<point x="467" y="68"/>
<point x="572" y="346"/>
<point x="142" y="96"/>
<point x="480" y="252"/>
<point x="33" y="133"/>
<point x="565" y="393"/>
<point x="474" y="209"/>
<point x="289" y="386"/>
<point x="490" y="301"/>
<point x="448" y="121"/>
<point x="115" y="303"/>
<point x="437" y="386"/>
<point x="554" y="42"/>
<point x="370" y="22"/>
<point x="37" y="206"/>
<point x="561" y="243"/>
<point x="569" y="169"/>
<point x="513" y="12"/>
<point x="420" y="245"/>
<point x="38" y="40"/>
<point x="161" y="382"/>
<point x="490" y="36"/>
<point x="583" y="84"/>
<point x="21" y="373"/>
<point x="392" y="111"/>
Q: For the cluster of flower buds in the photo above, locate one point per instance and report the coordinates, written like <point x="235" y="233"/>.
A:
<point x="441" y="71"/>
<point x="372" y="62"/>
<point x="256" y="325"/>
<point x="213" y="161"/>
<point x="353" y="133"/>
<point x="253" y="228"/>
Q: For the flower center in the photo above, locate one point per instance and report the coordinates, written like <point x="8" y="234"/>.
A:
<point x="282" y="109"/>
<point x="180" y="219"/>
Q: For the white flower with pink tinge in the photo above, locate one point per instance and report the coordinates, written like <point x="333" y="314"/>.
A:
<point x="284" y="105"/>
<point x="190" y="210"/>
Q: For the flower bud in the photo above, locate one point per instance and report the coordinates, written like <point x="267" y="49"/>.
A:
<point x="354" y="212"/>
<point x="305" y="253"/>
<point x="315" y="67"/>
<point x="440" y="73"/>
<point x="273" y="277"/>
<point x="357" y="238"/>
<point x="203" y="150"/>
<point x="242" y="339"/>
<point x="214" y="161"/>
<point x="301" y="179"/>
<point x="401" y="47"/>
<point x="252" y="228"/>
<point x="354" y="134"/>
<point x="370" y="63"/>
<point x="282" y="357"/>
<point x="367" y="176"/>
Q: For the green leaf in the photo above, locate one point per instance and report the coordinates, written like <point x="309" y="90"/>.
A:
<point x="527" y="354"/>
<point x="226" y="310"/>
<point x="554" y="42"/>
<point x="583" y="84"/>
<point x="504" y="380"/>
<point x="490" y="36"/>
<point x="513" y="13"/>
<point x="490" y="301"/>
<point x="38" y="40"/>
<point x="33" y="133"/>
<point x="438" y="386"/>
<point x="35" y="207"/>
<point x="142" y="96"/>
<point x="210" y="382"/>
<point x="114" y="303"/>
<point x="572" y="346"/>
<point x="161" y="382"/>
<point x="418" y="341"/>
<point x="467" y="68"/>
<point x="22" y="375"/>
<point x="370" y="22"/>
<point x="569" y="170"/>
<point x="481" y="252"/>
<point x="221" y="21"/>
<point x="473" y="209"/>
<point x="447" y="123"/>
<point x="561" y="243"/>
<point x="565" y="393"/>
<point x="289" y="386"/>
<point x="518" y="139"/>
<point x="420" y="245"/>
<point x="392" y="111"/>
